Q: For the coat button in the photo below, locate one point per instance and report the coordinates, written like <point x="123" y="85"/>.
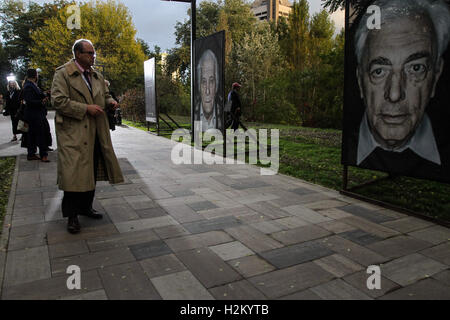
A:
<point x="85" y="143"/>
<point x="85" y="126"/>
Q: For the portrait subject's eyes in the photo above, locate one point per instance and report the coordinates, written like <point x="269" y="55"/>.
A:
<point x="378" y="73"/>
<point x="417" y="70"/>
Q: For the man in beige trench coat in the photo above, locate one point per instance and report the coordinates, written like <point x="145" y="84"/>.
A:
<point x="85" y="151"/>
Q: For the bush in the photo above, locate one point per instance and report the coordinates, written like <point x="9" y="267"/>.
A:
<point x="132" y="105"/>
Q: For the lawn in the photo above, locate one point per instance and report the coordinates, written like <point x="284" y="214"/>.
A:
<point x="314" y="155"/>
<point x="6" y="173"/>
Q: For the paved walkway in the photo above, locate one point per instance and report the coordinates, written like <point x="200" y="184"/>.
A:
<point x="210" y="232"/>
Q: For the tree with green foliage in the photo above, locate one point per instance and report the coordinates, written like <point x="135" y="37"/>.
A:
<point x="18" y="21"/>
<point x="109" y="26"/>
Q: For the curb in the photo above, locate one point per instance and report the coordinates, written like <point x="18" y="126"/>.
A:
<point x="7" y="225"/>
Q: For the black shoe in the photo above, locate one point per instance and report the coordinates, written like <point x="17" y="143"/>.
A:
<point x="92" y="213"/>
<point x="73" y="225"/>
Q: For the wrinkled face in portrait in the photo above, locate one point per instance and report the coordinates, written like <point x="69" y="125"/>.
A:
<point x="11" y="85"/>
<point x="86" y="58"/>
<point x="397" y="77"/>
<point x="208" y="85"/>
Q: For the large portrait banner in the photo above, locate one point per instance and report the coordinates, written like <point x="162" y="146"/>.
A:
<point x="397" y="87"/>
<point x="151" y="112"/>
<point x="209" y="81"/>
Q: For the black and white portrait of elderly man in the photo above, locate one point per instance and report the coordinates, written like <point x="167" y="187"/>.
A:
<point x="398" y="68"/>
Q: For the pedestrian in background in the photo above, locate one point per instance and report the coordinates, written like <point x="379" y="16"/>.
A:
<point x="236" y="112"/>
<point x="34" y="115"/>
<point x="12" y="104"/>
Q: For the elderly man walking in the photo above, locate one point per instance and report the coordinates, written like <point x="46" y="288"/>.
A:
<point x="85" y="151"/>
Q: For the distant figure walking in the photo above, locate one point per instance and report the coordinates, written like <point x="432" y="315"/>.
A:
<point x="35" y="115"/>
<point x="236" y="112"/>
<point x="12" y="104"/>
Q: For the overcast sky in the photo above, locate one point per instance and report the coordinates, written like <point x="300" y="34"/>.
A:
<point x="155" y="19"/>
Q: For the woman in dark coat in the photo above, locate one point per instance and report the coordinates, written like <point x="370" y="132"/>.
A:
<point x="12" y="99"/>
<point x="34" y="115"/>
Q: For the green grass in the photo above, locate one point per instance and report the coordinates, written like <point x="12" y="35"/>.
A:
<point x="6" y="173"/>
<point x="314" y="155"/>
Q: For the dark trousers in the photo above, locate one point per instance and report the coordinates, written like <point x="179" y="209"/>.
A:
<point x="74" y="203"/>
<point x="14" y="123"/>
<point x="235" y="124"/>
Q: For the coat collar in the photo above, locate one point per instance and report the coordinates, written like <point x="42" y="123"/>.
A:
<point x="78" y="83"/>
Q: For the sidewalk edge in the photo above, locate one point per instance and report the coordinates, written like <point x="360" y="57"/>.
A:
<point x="7" y="225"/>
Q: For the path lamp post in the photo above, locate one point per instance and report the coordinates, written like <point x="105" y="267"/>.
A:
<point x="193" y="29"/>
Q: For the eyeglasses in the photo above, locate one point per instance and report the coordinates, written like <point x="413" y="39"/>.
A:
<point x="91" y="53"/>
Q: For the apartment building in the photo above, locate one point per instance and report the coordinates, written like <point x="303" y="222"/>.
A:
<point x="271" y="9"/>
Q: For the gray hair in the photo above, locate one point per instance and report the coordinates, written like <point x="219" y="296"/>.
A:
<point x="16" y="85"/>
<point x="78" y="46"/>
<point x="208" y="54"/>
<point x="436" y="10"/>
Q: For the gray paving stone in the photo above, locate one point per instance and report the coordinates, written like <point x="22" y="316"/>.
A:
<point x="210" y="238"/>
<point x="97" y="260"/>
<point x="443" y="277"/>
<point x="231" y="250"/>
<point x="150" y="249"/>
<point x="121" y="212"/>
<point x="121" y="240"/>
<point x="360" y="237"/>
<point x="269" y="210"/>
<point x="207" y="267"/>
<point x="93" y="295"/>
<point x="59" y="236"/>
<point x="302" y="295"/>
<point x="29" y="211"/>
<point x="250" y="266"/>
<point x="405" y="225"/>
<point x="306" y="214"/>
<point x="151" y="213"/>
<point x="170" y="231"/>
<point x="239" y="290"/>
<point x="399" y="246"/>
<point x="128" y="282"/>
<point x="301" y="234"/>
<point x="434" y="234"/>
<point x="248" y="183"/>
<point x="359" y="280"/>
<point x="253" y="239"/>
<point x="439" y="253"/>
<point x="334" y="213"/>
<point x="307" y="198"/>
<point x="52" y="288"/>
<point x="27" y="241"/>
<point x="339" y="290"/>
<point x="26" y="265"/>
<point x="283" y="282"/>
<point x="338" y="265"/>
<point x="212" y="224"/>
<point x="155" y="192"/>
<point x="291" y="222"/>
<point x="428" y="289"/>
<point x="296" y="254"/>
<point x="411" y="268"/>
<point x="302" y="191"/>
<point x="202" y="205"/>
<point x="28" y="200"/>
<point x="144" y="224"/>
<point x="267" y="227"/>
<point x="27" y="220"/>
<point x="353" y="251"/>
<point x="370" y="227"/>
<point x="325" y="204"/>
<point x="162" y="265"/>
<point x="336" y="226"/>
<point x="67" y="249"/>
<point x="182" y="213"/>
<point x="180" y="286"/>
<point x="365" y="213"/>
